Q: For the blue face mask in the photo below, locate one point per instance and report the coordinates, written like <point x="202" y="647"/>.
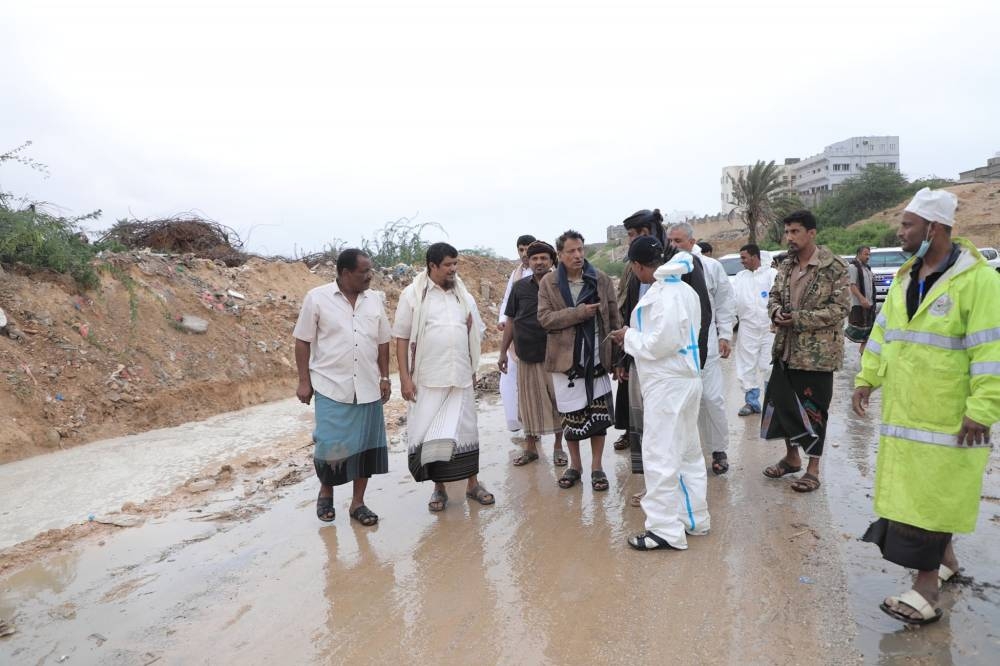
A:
<point x="925" y="245"/>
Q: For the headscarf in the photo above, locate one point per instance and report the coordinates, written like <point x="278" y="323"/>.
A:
<point x="540" y="247"/>
<point x="649" y="219"/>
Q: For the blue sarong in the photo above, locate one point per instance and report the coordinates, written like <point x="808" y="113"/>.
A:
<point x="350" y="441"/>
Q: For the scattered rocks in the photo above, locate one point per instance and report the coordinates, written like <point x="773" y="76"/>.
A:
<point x="193" y="324"/>
<point x="120" y="520"/>
<point x="200" y="486"/>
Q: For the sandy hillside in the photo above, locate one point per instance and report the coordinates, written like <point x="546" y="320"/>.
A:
<point x="118" y="359"/>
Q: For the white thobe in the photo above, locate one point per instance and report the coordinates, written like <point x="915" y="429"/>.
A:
<point x="508" y="380"/>
<point x="663" y="340"/>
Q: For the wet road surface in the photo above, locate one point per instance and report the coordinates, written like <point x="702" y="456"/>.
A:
<point x="542" y="577"/>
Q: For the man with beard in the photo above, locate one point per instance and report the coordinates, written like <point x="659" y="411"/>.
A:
<point x="807" y="304"/>
<point x="935" y="353"/>
<point x="537" y="399"/>
<point x="438" y="336"/>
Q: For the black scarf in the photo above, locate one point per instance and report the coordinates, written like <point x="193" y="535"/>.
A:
<point x="861" y="278"/>
<point x="584" y="352"/>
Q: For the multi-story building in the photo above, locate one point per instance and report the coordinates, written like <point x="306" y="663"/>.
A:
<point x="814" y="177"/>
<point x="989" y="172"/>
<point x="822" y="173"/>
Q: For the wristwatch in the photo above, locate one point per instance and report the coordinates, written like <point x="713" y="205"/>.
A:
<point x="383" y="379"/>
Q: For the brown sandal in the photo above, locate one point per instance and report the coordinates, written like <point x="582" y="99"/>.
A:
<point x="805" y="483"/>
<point x="780" y="469"/>
<point x="481" y="495"/>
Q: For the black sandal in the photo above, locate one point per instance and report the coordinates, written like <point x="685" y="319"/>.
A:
<point x="599" y="480"/>
<point x="638" y="541"/>
<point x="720" y="462"/>
<point x="324" y="508"/>
<point x="569" y="478"/>
<point x="621" y="443"/>
<point x="364" y="515"/>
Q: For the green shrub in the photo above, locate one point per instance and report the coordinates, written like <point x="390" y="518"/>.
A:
<point x="42" y="241"/>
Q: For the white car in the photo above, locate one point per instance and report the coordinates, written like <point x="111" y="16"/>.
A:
<point x="732" y="264"/>
<point x="884" y="262"/>
<point x="991" y="256"/>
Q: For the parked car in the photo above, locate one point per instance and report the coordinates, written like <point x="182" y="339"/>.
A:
<point x="732" y="264"/>
<point x="991" y="256"/>
<point x="884" y="262"/>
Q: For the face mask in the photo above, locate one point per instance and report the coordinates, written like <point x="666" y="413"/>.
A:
<point x="925" y="245"/>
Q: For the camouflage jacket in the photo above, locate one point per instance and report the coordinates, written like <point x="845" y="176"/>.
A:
<point x="816" y="337"/>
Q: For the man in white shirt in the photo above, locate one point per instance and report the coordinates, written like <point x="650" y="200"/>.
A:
<point x="342" y="357"/>
<point x="438" y="335"/>
<point x="753" y="348"/>
<point x="712" y="422"/>
<point x="508" y="379"/>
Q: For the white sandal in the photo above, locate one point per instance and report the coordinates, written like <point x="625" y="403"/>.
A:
<point x="917" y="602"/>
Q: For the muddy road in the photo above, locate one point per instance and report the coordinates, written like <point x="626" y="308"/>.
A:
<point x="242" y="572"/>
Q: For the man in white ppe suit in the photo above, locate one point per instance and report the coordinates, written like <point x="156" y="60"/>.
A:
<point x="753" y="348"/>
<point x="712" y="421"/>
<point x="663" y="341"/>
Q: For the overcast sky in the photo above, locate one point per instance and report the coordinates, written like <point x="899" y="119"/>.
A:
<point x="298" y="125"/>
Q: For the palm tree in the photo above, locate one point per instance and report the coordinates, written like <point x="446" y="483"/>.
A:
<point x="754" y="195"/>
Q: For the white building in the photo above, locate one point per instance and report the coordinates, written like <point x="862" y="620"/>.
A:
<point x="732" y="173"/>
<point x="842" y="160"/>
<point x="814" y="177"/>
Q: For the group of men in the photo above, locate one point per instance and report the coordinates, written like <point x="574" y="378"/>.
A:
<point x="662" y="335"/>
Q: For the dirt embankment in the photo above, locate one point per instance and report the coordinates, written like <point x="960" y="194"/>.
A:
<point x="125" y="357"/>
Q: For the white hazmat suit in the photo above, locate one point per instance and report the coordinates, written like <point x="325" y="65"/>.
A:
<point x="753" y="349"/>
<point x="663" y="340"/>
<point x="713" y="424"/>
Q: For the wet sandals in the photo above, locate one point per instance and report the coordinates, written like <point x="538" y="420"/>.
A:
<point x="621" y="443"/>
<point x="917" y="602"/>
<point x="649" y="541"/>
<point x="805" y="483"/>
<point x="720" y="462"/>
<point x="481" y="495"/>
<point x="945" y="574"/>
<point x="364" y="515"/>
<point x="599" y="480"/>
<point x="569" y="478"/>
<point x="559" y="458"/>
<point x="325" y="510"/>
<point x="780" y="469"/>
<point x="438" y="501"/>
<point x="525" y="457"/>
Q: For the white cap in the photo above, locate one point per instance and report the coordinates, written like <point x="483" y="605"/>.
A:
<point x="934" y="206"/>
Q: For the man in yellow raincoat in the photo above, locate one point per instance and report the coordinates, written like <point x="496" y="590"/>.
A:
<point x="935" y="353"/>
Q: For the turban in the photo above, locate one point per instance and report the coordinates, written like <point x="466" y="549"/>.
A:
<point x="934" y="206"/>
<point x="649" y="219"/>
<point x="539" y="247"/>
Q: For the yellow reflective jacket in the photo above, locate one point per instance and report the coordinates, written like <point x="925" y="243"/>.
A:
<point x="933" y="370"/>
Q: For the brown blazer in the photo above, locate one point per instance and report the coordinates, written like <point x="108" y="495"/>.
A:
<point x="559" y="320"/>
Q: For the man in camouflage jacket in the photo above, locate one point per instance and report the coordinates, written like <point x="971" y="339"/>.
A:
<point x="808" y="304"/>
